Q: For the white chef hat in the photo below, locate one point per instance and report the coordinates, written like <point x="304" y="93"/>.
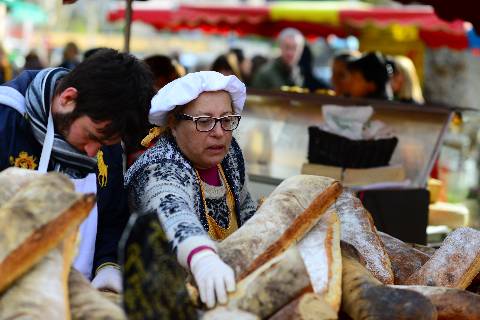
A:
<point x="187" y="88"/>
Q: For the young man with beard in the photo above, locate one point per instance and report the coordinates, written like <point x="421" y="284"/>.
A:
<point x="73" y="122"/>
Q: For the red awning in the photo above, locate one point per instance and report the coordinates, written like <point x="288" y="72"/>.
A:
<point x="248" y="20"/>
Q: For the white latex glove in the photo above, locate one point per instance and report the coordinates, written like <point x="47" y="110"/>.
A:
<point x="108" y="279"/>
<point x="214" y="277"/>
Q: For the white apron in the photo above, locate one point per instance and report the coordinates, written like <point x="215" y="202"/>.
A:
<point x="88" y="229"/>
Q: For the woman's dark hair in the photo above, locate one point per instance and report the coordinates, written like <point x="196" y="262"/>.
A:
<point x="227" y="62"/>
<point x="112" y="86"/>
<point x="164" y="68"/>
<point x="374" y="69"/>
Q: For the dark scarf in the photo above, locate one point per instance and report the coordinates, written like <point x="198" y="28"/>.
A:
<point x="64" y="158"/>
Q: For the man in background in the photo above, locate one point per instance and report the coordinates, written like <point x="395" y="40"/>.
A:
<point x="284" y="70"/>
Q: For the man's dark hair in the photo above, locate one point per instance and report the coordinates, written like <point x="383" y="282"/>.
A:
<point x="112" y="86"/>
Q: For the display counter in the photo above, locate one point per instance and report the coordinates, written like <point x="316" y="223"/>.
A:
<point x="274" y="138"/>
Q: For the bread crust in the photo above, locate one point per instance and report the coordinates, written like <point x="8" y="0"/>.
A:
<point x="38" y="218"/>
<point x="358" y="230"/>
<point x="455" y="264"/>
<point x="405" y="259"/>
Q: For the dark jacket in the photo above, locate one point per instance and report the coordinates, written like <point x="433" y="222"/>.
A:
<point x="18" y="147"/>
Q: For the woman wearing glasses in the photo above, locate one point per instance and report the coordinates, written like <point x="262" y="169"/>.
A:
<point x="194" y="175"/>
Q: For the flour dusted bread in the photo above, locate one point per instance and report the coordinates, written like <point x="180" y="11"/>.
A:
<point x="405" y="259"/>
<point x="13" y="180"/>
<point x="286" y="276"/>
<point x="291" y="198"/>
<point x="87" y="303"/>
<point x="42" y="292"/>
<point x="364" y="297"/>
<point x="223" y="313"/>
<point x="321" y="255"/>
<point x="35" y="220"/>
<point x="451" y="304"/>
<point x="358" y="230"/>
<point x="455" y="264"/>
<point x="309" y="306"/>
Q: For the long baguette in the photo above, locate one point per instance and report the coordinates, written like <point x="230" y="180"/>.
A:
<point x="86" y="302"/>
<point x="451" y="304"/>
<point x="366" y="298"/>
<point x="270" y="222"/>
<point x="38" y="218"/>
<point x="42" y="293"/>
<point x="299" y="227"/>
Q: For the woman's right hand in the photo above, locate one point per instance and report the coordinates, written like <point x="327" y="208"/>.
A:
<point x="214" y="277"/>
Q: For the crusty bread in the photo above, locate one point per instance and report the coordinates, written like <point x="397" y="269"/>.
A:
<point x="271" y="286"/>
<point x="365" y="297"/>
<point x="87" y="303"/>
<point x="358" y="230"/>
<point x="271" y="221"/>
<point x="405" y="259"/>
<point x="309" y="306"/>
<point x="451" y="304"/>
<point x="42" y="292"/>
<point x="223" y="313"/>
<point x="311" y="264"/>
<point x="455" y="264"/>
<point x="13" y="180"/>
<point x="35" y="220"/>
<point x="320" y="251"/>
<point x="302" y="224"/>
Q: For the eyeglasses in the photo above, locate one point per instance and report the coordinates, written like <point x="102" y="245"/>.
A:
<point x="207" y="123"/>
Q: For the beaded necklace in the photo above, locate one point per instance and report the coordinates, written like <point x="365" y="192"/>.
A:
<point x="215" y="231"/>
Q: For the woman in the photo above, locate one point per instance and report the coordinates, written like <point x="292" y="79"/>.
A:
<point x="194" y="176"/>
<point x="405" y="83"/>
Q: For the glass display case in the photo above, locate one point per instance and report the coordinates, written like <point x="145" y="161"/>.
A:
<point x="273" y="134"/>
<point x="274" y="137"/>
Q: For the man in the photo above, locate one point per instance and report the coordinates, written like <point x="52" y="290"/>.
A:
<point x="73" y="122"/>
<point x="284" y="70"/>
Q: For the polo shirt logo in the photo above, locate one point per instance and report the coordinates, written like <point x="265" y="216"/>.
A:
<point x="24" y="161"/>
<point x="102" y="170"/>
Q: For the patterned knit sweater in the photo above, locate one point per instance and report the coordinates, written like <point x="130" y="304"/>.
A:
<point x="163" y="180"/>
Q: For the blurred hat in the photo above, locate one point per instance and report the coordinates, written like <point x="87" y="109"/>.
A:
<point x="187" y="88"/>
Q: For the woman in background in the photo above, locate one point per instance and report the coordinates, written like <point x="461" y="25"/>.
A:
<point x="405" y="83"/>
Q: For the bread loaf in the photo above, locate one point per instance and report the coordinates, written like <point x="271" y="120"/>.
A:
<point x="451" y="304"/>
<point x="405" y="260"/>
<point x="299" y="227"/>
<point x="321" y="255"/>
<point x="224" y="313"/>
<point x="42" y="293"/>
<point x="358" y="229"/>
<point x="38" y="217"/>
<point x="364" y="297"/>
<point x="271" y="286"/>
<point x="87" y="303"/>
<point x="309" y="306"/>
<point x="455" y="264"/>
<point x="312" y="264"/>
<point x="271" y="221"/>
<point x="13" y="180"/>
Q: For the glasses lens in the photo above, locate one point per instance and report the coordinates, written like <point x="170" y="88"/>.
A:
<point x="205" y="123"/>
<point x="230" y="123"/>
